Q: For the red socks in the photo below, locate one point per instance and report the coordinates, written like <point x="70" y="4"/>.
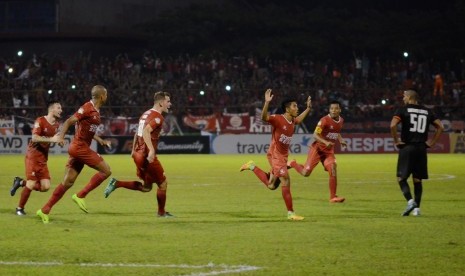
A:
<point x="161" y="199"/>
<point x="131" y="185"/>
<point x="58" y="193"/>
<point x="24" y="197"/>
<point x="94" y="182"/>
<point x="286" y="192"/>
<point x="261" y="175"/>
<point x="299" y="168"/>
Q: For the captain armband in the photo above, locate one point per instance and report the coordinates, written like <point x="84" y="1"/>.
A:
<point x="318" y="130"/>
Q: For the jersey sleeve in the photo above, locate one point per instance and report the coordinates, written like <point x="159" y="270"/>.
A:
<point x="398" y="114"/>
<point x="319" y="126"/>
<point x="272" y="119"/>
<point x="156" y="122"/>
<point x="37" y="130"/>
<point x="80" y="113"/>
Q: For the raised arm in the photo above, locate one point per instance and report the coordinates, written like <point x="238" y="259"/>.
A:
<point x="266" y="105"/>
<point x="304" y="113"/>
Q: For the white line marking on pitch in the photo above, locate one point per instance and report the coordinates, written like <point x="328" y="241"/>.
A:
<point x="221" y="269"/>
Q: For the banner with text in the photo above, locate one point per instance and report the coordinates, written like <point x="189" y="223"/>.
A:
<point x="256" y="144"/>
<point x="235" y="123"/>
<point x="166" y="145"/>
<point x="382" y="143"/>
<point x="356" y="143"/>
<point x="17" y="144"/>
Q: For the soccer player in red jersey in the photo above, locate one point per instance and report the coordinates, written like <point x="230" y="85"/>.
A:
<point x="86" y="121"/>
<point x="144" y="149"/>
<point x="326" y="134"/>
<point x="283" y="130"/>
<point x="37" y="174"/>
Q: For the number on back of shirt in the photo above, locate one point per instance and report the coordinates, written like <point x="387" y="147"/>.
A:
<point x="418" y="122"/>
<point x="140" y="129"/>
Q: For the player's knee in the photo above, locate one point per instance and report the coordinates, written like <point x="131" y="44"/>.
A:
<point x="68" y="184"/>
<point x="44" y="188"/>
<point x="107" y="173"/>
<point x="163" y="185"/>
<point x="146" y="189"/>
<point x="332" y="169"/>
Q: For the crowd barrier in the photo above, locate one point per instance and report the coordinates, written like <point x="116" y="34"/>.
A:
<point x="240" y="144"/>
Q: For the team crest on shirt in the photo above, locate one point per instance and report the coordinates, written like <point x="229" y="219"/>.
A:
<point x="284" y="127"/>
<point x="331" y="127"/>
<point x="81" y="110"/>
<point x="157" y="120"/>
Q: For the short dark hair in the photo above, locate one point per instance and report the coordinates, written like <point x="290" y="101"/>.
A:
<point x="52" y="102"/>
<point x="286" y="103"/>
<point x="160" y="95"/>
<point x="335" y="102"/>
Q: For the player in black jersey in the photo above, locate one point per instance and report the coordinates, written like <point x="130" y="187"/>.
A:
<point x="415" y="120"/>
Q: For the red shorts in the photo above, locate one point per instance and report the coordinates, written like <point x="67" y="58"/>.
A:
<point x="149" y="172"/>
<point x="279" y="166"/>
<point x="81" y="154"/>
<point x="316" y="155"/>
<point x="36" y="170"/>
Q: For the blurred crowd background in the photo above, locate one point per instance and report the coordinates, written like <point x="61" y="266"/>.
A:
<point x="220" y="56"/>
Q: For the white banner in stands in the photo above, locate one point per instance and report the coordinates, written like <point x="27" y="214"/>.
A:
<point x="256" y="144"/>
<point x="17" y="144"/>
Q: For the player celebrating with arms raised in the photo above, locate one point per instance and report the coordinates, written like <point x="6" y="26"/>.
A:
<point x="283" y="130"/>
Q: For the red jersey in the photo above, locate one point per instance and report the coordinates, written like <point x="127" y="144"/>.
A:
<point x="155" y="120"/>
<point x="88" y="122"/>
<point x="329" y="129"/>
<point x="39" y="151"/>
<point x="281" y="136"/>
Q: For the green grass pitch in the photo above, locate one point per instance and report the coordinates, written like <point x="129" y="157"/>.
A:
<point x="227" y="223"/>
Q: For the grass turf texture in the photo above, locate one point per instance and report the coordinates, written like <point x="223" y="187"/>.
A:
<point x="226" y="219"/>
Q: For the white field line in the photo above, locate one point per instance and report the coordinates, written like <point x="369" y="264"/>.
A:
<point x="374" y="180"/>
<point x="219" y="269"/>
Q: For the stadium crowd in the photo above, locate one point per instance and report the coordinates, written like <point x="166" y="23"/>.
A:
<point x="368" y="87"/>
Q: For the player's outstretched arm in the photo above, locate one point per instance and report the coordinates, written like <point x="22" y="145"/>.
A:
<point x="105" y="143"/>
<point x="304" y="113"/>
<point x="266" y="105"/>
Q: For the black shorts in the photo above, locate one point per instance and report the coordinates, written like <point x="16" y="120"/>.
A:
<point x="413" y="161"/>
